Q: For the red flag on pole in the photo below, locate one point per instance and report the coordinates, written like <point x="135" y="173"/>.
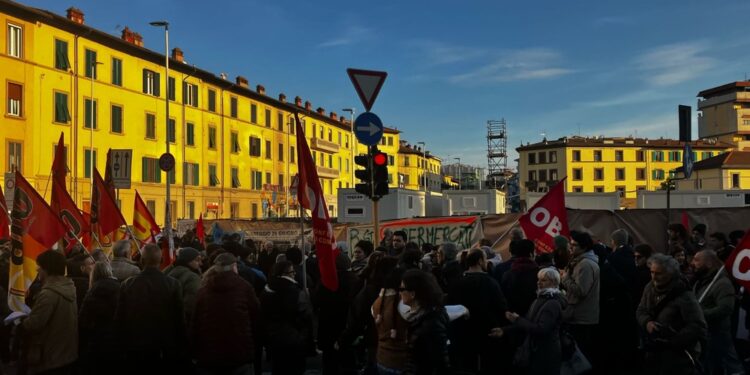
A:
<point x="686" y="221"/>
<point x="144" y="225"/>
<point x="62" y="203"/>
<point x="60" y="164"/>
<point x="547" y="219"/>
<point x="108" y="180"/>
<point x="4" y="219"/>
<point x="310" y="196"/>
<point x="200" y="230"/>
<point x="738" y="263"/>
<point x="104" y="211"/>
<point x="35" y="229"/>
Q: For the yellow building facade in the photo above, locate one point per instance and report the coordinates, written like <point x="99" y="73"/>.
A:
<point x="603" y="165"/>
<point x="419" y="168"/>
<point x="728" y="171"/>
<point x="235" y="146"/>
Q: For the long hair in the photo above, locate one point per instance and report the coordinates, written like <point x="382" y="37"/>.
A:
<point x="102" y="270"/>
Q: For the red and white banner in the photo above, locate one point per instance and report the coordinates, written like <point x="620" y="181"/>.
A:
<point x="547" y="219"/>
<point x="311" y="197"/>
<point x="738" y="263"/>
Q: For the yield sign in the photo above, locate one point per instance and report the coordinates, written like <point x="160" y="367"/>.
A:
<point x="368" y="84"/>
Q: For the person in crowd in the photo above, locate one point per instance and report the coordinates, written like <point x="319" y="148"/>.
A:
<point x="361" y="254"/>
<point x="622" y="258"/>
<point x="286" y="316"/>
<point x="391" y="326"/>
<point x="450" y="269"/>
<point x="672" y="320"/>
<point x="398" y="243"/>
<point x="51" y="329"/>
<point x="679" y="254"/>
<point x="519" y="283"/>
<point x="429" y="259"/>
<point x="186" y="269"/>
<point x="252" y="275"/>
<point x="517" y="234"/>
<point x="493" y="258"/>
<point x="122" y="267"/>
<point x="500" y="270"/>
<point x="581" y="282"/>
<point x="150" y="319"/>
<point x="267" y="257"/>
<point x="427" y="334"/>
<point x="678" y="236"/>
<point x="561" y="253"/>
<point x="544" y="260"/>
<point x="719" y="242"/>
<point x="225" y="321"/>
<point x="79" y="268"/>
<point x="360" y="321"/>
<point x="333" y="309"/>
<point x="482" y="296"/>
<point x="97" y="340"/>
<point x="698" y="237"/>
<point x="641" y="253"/>
<point x="387" y="240"/>
<point x="541" y="352"/>
<point x="410" y="258"/>
<point x="735" y="236"/>
<point x="716" y="297"/>
<point x="99" y="256"/>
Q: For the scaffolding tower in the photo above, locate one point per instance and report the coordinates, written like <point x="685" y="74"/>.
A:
<point x="497" y="153"/>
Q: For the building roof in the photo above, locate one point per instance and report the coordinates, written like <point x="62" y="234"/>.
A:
<point x="603" y="142"/>
<point x="32" y="14"/>
<point x="726" y="160"/>
<point x="411" y="150"/>
<point x="725" y="89"/>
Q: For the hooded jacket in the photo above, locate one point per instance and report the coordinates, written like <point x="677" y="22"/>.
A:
<point x="52" y="326"/>
<point x="582" y="285"/>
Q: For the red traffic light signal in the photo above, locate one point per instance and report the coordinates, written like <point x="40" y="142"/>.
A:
<point x="380" y="159"/>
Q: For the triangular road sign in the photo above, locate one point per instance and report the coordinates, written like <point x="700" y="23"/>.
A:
<point x="368" y="84"/>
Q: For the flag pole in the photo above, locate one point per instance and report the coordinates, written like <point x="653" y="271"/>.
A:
<point x="302" y="244"/>
<point x="506" y="233"/>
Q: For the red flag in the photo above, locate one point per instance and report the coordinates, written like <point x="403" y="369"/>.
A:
<point x="104" y="211"/>
<point x="686" y="221"/>
<point x="738" y="263"/>
<point x="200" y="230"/>
<point x="547" y="219"/>
<point x="108" y="181"/>
<point x="4" y="220"/>
<point x="311" y="197"/>
<point x="63" y="204"/>
<point x="35" y="229"/>
<point x="144" y="225"/>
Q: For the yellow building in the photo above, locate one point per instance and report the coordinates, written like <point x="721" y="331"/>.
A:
<point x="234" y="146"/>
<point x="417" y="168"/>
<point x="728" y="171"/>
<point x="605" y="165"/>
<point x="724" y="114"/>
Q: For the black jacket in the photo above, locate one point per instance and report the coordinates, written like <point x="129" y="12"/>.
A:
<point x="95" y="320"/>
<point x="333" y="308"/>
<point x="286" y="316"/>
<point x="484" y="299"/>
<point x="428" y="344"/>
<point x="519" y="285"/>
<point x="149" y="316"/>
<point x="622" y="261"/>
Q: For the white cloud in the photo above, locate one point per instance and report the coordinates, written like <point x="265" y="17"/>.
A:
<point x="654" y="126"/>
<point x="438" y="53"/>
<point x="350" y="36"/>
<point x="675" y="63"/>
<point x="524" y="64"/>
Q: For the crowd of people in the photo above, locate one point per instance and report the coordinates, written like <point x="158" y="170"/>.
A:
<point x="600" y="306"/>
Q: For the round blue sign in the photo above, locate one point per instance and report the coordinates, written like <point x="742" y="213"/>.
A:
<point x="368" y="128"/>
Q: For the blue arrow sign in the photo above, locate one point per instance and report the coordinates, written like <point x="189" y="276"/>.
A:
<point x="368" y="128"/>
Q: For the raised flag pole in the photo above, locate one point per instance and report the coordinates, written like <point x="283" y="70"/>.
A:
<point x="302" y="245"/>
<point x="505" y="234"/>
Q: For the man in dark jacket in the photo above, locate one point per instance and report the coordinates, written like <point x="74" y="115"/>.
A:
<point x="519" y="283"/>
<point x="149" y="317"/>
<point x="716" y="297"/>
<point x="225" y="320"/>
<point x="622" y="258"/>
<point x="672" y="319"/>
<point x="186" y="270"/>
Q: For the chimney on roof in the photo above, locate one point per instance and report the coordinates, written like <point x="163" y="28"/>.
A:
<point x="260" y="89"/>
<point x="241" y="81"/>
<point x="321" y="111"/>
<point x="298" y="101"/>
<point x="75" y="15"/>
<point x="282" y="98"/>
<point x="334" y="116"/>
<point x="308" y="105"/>
<point x="178" y="55"/>
<point x="132" y="37"/>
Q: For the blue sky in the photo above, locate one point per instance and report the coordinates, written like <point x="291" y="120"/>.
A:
<point x="553" y="67"/>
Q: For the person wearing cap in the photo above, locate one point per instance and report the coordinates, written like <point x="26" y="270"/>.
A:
<point x="186" y="269"/>
<point x="223" y="331"/>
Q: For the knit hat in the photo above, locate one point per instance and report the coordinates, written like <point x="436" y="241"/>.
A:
<point x="225" y="261"/>
<point x="187" y="255"/>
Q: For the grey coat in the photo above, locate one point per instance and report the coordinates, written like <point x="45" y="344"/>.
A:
<point x="190" y="282"/>
<point x="122" y="268"/>
<point x="582" y="285"/>
<point x="718" y="304"/>
<point x="542" y="326"/>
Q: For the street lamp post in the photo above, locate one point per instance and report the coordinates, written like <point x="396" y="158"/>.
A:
<point x="167" y="209"/>
<point x="425" y="166"/>
<point x="184" y="142"/>
<point x="354" y="148"/>
<point x="459" y="172"/>
<point x="94" y="64"/>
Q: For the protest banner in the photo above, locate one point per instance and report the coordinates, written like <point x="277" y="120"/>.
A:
<point x="464" y="231"/>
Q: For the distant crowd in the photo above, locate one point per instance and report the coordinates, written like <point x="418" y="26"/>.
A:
<point x="596" y="304"/>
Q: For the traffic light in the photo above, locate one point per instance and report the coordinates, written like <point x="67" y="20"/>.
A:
<point x="364" y="175"/>
<point x="380" y="169"/>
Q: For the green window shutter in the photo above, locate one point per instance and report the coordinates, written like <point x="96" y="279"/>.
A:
<point x="184" y="173"/>
<point x="157" y="84"/>
<point x="87" y="120"/>
<point x="145" y="81"/>
<point x="144" y="169"/>
<point x="196" y="170"/>
<point x="195" y="95"/>
<point x="172" y="94"/>
<point x="59" y="111"/>
<point x="87" y="163"/>
<point x="184" y="92"/>
<point x="157" y="170"/>
<point x="116" y="119"/>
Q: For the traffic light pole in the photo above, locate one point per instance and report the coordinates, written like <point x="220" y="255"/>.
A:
<point x="375" y="220"/>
